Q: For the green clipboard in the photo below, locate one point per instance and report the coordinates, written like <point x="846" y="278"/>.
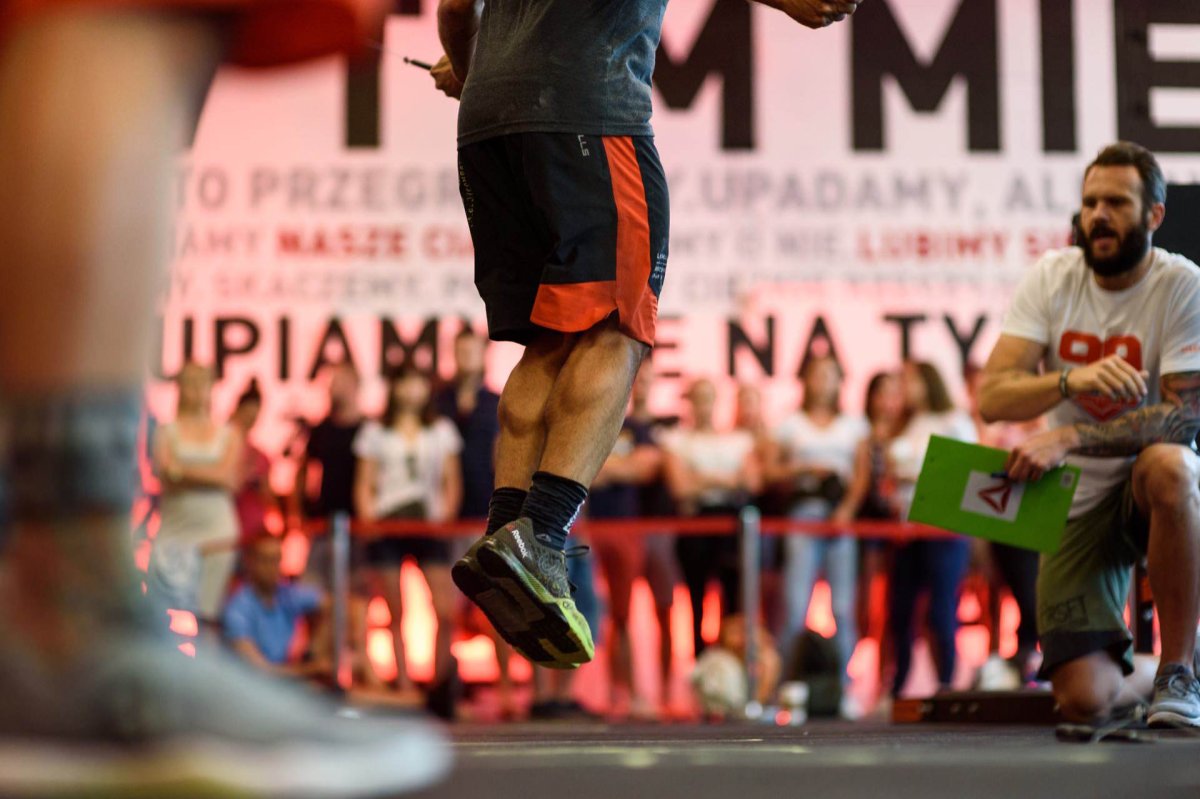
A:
<point x="958" y="491"/>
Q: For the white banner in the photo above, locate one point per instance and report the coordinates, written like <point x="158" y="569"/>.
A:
<point x="881" y="184"/>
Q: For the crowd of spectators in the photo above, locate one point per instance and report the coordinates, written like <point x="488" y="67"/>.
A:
<point x="429" y="457"/>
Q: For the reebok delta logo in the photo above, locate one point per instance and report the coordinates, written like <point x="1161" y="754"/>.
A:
<point x="996" y="498"/>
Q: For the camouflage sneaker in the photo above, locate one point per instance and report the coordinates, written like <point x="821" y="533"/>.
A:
<point x="521" y="585"/>
<point x="134" y="717"/>
<point x="501" y="610"/>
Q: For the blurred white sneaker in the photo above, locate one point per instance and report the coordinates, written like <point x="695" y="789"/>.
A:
<point x="849" y="708"/>
<point x="997" y="674"/>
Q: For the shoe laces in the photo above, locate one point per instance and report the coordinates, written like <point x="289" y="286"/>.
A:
<point x="1178" y="681"/>
<point x="571" y="553"/>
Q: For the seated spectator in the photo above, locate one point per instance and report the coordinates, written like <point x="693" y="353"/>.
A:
<point x="261" y="617"/>
<point x="719" y="678"/>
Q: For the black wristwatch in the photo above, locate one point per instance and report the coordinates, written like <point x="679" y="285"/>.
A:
<point x="1062" y="383"/>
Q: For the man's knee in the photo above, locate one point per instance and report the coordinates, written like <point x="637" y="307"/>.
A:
<point x="1166" y="476"/>
<point x="1087" y="689"/>
<point x="608" y="334"/>
<point x="1083" y="704"/>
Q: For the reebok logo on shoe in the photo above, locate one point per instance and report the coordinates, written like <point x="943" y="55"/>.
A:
<point x="520" y="543"/>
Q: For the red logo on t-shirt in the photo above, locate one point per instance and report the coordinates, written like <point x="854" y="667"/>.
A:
<point x="1080" y="348"/>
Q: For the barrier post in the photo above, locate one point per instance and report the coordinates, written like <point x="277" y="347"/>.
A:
<point x="339" y="584"/>
<point x="1141" y="605"/>
<point x="750" y="532"/>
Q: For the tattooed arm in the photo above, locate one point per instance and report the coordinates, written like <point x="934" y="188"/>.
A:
<point x="1175" y="420"/>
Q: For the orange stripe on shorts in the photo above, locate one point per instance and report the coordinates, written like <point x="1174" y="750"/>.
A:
<point x="636" y="303"/>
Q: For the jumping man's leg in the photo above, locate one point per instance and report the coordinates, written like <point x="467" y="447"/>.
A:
<point x="523" y="410"/>
<point x="581" y="418"/>
<point x="588" y="402"/>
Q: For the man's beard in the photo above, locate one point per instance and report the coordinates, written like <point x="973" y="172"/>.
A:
<point x="1131" y="250"/>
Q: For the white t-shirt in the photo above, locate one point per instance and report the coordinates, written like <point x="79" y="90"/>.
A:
<point x="713" y="454"/>
<point x="830" y="447"/>
<point x="907" y="451"/>
<point x="409" y="470"/>
<point x="1155" y="325"/>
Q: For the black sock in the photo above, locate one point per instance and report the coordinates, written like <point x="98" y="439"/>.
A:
<point x="552" y="504"/>
<point x="504" y="507"/>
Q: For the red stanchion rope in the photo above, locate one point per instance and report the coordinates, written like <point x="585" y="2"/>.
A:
<point x="641" y="526"/>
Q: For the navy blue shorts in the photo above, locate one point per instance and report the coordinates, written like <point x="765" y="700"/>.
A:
<point x="568" y="230"/>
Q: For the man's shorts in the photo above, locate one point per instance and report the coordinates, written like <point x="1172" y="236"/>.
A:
<point x="262" y="33"/>
<point x="1082" y="588"/>
<point x="568" y="230"/>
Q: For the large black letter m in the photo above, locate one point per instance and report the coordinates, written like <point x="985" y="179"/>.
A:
<point x="724" y="46"/>
<point x="968" y="49"/>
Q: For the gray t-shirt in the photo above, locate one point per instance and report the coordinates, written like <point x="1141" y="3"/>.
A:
<point x="565" y="66"/>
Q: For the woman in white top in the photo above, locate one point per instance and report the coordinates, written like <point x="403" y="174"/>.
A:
<point x="934" y="564"/>
<point x="408" y="468"/>
<point x="813" y="452"/>
<point x="709" y="473"/>
<point x="198" y="461"/>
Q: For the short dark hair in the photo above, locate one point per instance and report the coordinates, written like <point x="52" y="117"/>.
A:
<point x="1127" y="153"/>
<point x="257" y="539"/>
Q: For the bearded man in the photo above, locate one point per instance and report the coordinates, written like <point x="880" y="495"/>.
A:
<point x="1105" y="337"/>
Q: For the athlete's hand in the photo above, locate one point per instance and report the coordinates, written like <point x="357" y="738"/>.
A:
<point x="817" y="13"/>
<point x="1040" y="454"/>
<point x="1112" y="377"/>
<point x="445" y="80"/>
